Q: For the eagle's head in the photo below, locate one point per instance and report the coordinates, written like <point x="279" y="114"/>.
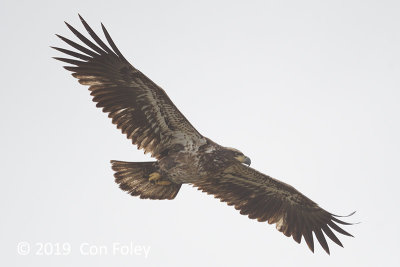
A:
<point x="239" y="156"/>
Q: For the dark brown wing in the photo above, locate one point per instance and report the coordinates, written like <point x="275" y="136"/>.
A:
<point x="140" y="108"/>
<point x="267" y="199"/>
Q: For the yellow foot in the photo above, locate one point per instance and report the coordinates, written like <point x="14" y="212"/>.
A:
<point x="163" y="182"/>
<point x="154" y="177"/>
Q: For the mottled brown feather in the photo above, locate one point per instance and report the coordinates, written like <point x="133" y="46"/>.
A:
<point x="147" y="112"/>
<point x="133" y="177"/>
<point x="266" y="199"/>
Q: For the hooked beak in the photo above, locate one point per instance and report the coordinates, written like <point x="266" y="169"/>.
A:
<point x="247" y="161"/>
<point x="244" y="159"/>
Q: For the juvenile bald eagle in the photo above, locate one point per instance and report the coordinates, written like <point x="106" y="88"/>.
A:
<point x="144" y="112"/>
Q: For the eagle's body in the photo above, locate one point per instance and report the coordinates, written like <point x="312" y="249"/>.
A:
<point x="182" y="167"/>
<point x="144" y="112"/>
<point x="190" y="164"/>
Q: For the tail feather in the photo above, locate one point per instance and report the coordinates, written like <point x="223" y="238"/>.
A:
<point x="133" y="178"/>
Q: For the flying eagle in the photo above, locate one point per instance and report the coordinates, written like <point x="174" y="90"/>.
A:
<point x="144" y="112"/>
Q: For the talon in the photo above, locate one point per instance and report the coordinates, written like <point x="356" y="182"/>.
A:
<point x="163" y="182"/>
<point x="155" y="176"/>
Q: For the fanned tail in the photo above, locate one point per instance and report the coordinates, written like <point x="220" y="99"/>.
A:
<point x="133" y="177"/>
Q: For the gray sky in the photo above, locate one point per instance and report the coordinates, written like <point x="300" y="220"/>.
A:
<point x="308" y="90"/>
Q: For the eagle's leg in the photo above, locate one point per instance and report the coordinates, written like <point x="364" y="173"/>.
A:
<point x="163" y="182"/>
<point x="154" y="177"/>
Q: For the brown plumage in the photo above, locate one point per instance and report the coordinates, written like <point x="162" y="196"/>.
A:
<point x="144" y="112"/>
<point x="132" y="177"/>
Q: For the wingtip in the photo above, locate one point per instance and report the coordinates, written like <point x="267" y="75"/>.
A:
<point x="327" y="250"/>
<point x="352" y="213"/>
<point x="55" y="48"/>
<point x="68" y="25"/>
<point x="335" y="217"/>
<point x="343" y="216"/>
<point x="82" y="19"/>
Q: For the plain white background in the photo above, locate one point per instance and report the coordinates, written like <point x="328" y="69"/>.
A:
<point x="309" y="90"/>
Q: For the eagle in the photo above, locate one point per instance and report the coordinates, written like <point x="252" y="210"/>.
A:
<point x="144" y="112"/>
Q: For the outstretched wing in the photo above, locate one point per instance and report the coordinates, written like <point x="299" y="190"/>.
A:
<point x="267" y="199"/>
<point x="140" y="108"/>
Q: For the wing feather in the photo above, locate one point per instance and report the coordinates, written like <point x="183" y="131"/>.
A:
<point x="267" y="199"/>
<point x="138" y="107"/>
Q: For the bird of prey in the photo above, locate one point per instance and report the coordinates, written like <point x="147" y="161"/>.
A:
<point x="144" y="112"/>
